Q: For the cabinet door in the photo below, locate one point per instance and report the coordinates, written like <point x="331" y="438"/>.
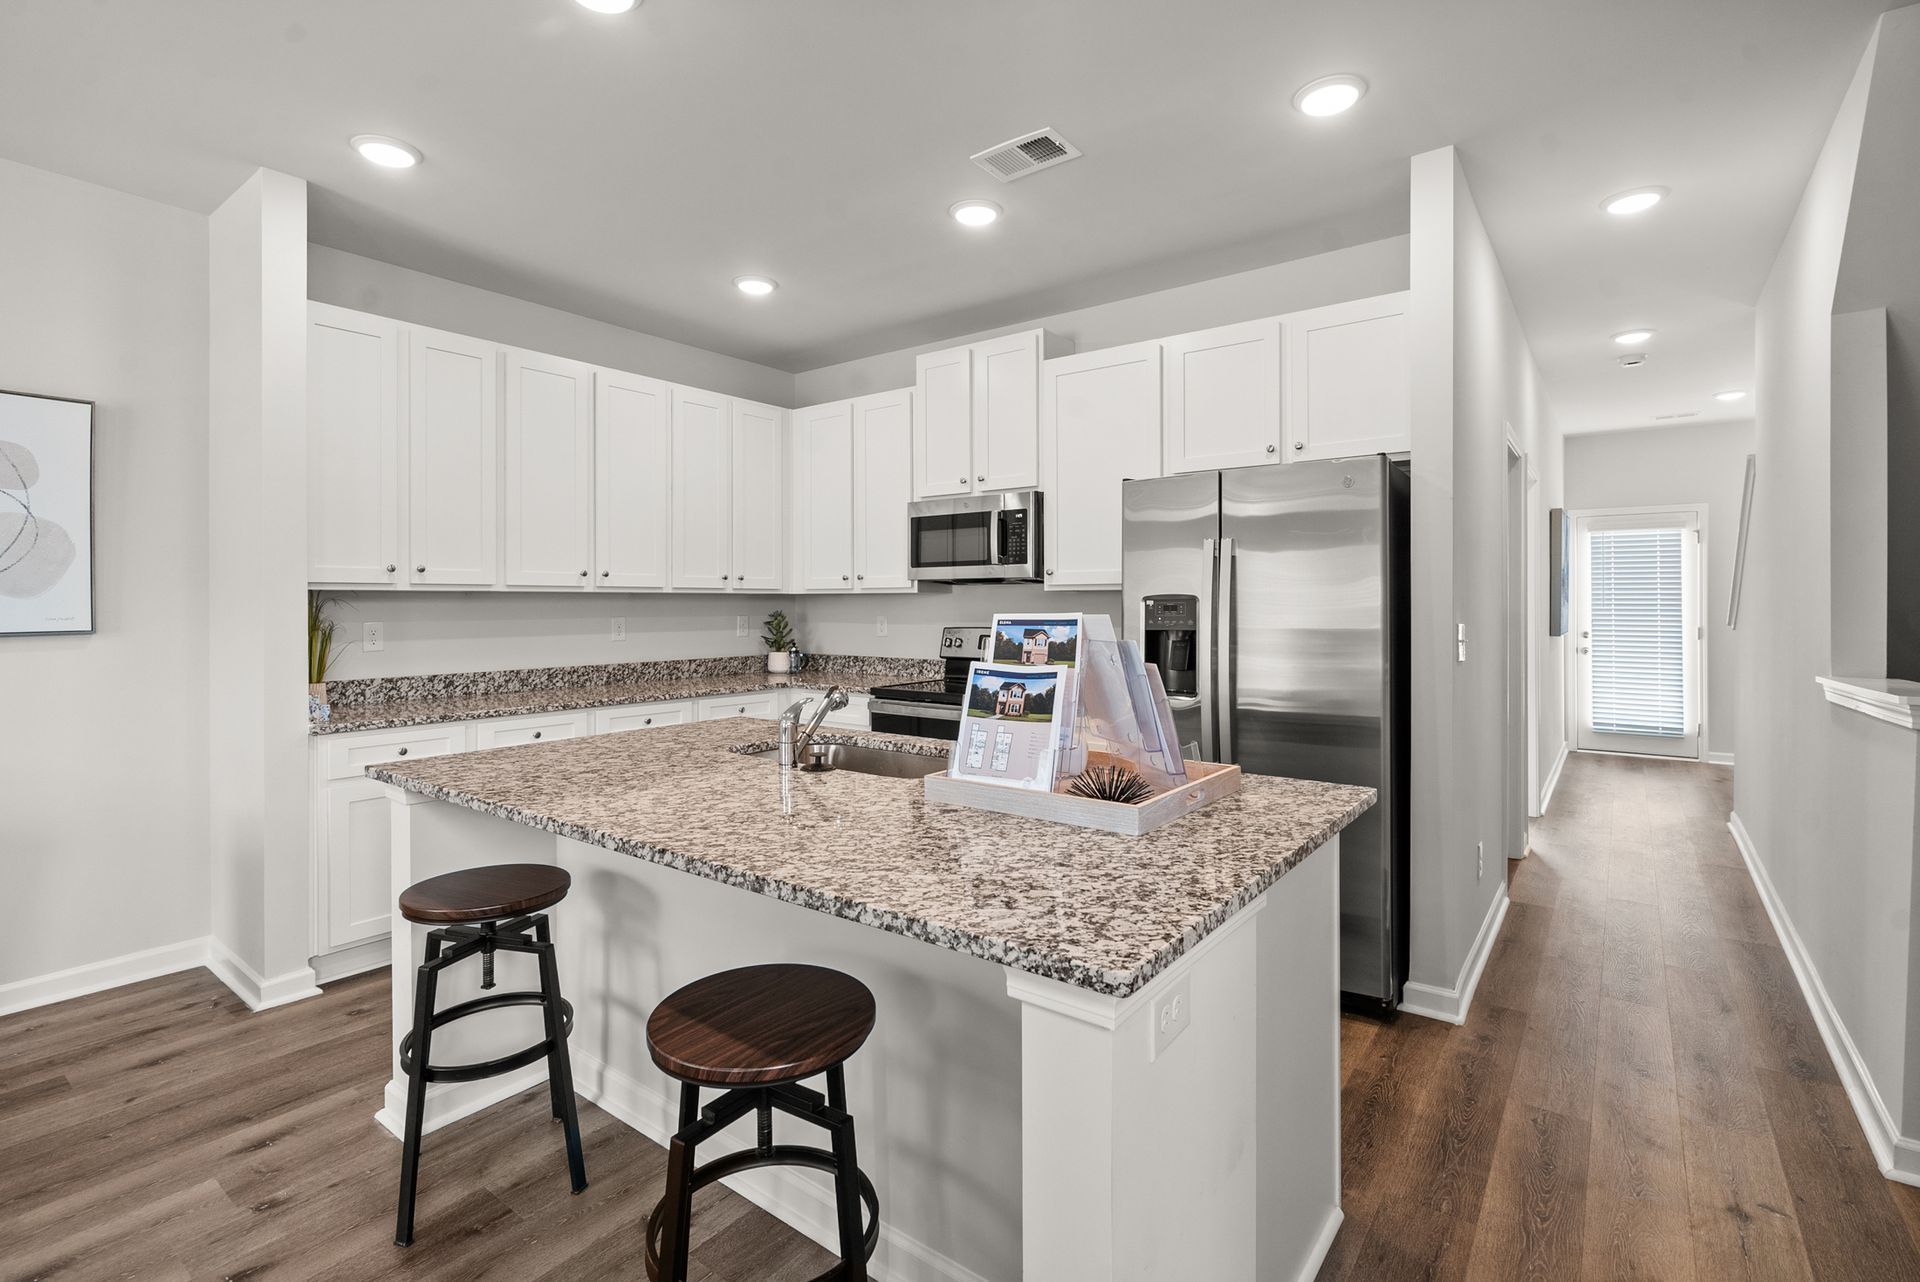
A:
<point x="943" y="423"/>
<point x="451" y="482"/>
<point x="760" y="704"/>
<point x="702" y="533"/>
<point x="641" y="716"/>
<point x="759" y="477"/>
<point x="353" y="447"/>
<point x="548" y="439"/>
<point x="1223" y="397"/>
<point x="882" y="488"/>
<point x="356" y="863"/>
<point x="825" y="496"/>
<point x="1006" y="413"/>
<point x="1349" y="383"/>
<point x="631" y="507"/>
<point x="505" y="732"/>
<point x="1100" y="425"/>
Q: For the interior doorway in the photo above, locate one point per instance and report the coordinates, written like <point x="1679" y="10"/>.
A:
<point x="1639" y="656"/>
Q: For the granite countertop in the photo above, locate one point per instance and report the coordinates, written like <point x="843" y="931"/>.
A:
<point x="1097" y="910"/>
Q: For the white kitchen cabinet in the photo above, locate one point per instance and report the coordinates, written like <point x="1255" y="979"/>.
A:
<point x="506" y="732"/>
<point x="453" y="535"/>
<point x="761" y="703"/>
<point x="548" y="474"/>
<point x="354" y="438"/>
<point x="631" y="503"/>
<point x="1222" y="397"/>
<point x="701" y="539"/>
<point x="642" y="716"/>
<point x="977" y="415"/>
<point x="825" y="495"/>
<point x="1348" y="380"/>
<point x="882" y="488"/>
<point x="1099" y="426"/>
<point x="943" y="423"/>
<point x="852" y="717"/>
<point x="759" y="481"/>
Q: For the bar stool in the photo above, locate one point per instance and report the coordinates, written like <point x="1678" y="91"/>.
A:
<point x="484" y="911"/>
<point x="755" y="1033"/>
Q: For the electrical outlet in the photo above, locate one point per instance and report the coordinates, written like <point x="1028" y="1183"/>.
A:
<point x="880" y="626"/>
<point x="1479" y="860"/>
<point x="373" y="637"/>
<point x="1172" y="1012"/>
<point x="618" y="632"/>
<point x="741" y="628"/>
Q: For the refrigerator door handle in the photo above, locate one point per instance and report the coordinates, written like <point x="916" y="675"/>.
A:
<point x="1225" y="671"/>
<point x="1206" y="664"/>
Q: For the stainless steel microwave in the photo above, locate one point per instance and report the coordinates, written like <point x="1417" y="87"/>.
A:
<point x="975" y="538"/>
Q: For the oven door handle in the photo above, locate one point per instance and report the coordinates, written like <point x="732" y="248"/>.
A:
<point x="930" y="711"/>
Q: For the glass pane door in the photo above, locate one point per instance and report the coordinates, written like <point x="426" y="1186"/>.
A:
<point x="1637" y="579"/>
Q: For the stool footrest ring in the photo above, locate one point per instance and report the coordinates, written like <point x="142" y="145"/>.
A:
<point x="752" y="1159"/>
<point x="492" y="1067"/>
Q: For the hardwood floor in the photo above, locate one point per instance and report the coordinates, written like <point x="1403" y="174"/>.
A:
<point x="1640" y="1092"/>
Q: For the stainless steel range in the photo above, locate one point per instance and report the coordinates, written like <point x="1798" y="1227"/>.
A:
<point x="932" y="708"/>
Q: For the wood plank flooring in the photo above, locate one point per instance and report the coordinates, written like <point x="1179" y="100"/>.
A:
<point x="1640" y="1092"/>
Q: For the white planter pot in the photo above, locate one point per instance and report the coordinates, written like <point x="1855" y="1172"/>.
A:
<point x="779" y="661"/>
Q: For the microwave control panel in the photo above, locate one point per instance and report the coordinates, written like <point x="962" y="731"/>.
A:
<point x="1013" y="537"/>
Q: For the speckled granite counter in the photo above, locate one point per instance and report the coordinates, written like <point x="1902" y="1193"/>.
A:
<point x="1099" y="911"/>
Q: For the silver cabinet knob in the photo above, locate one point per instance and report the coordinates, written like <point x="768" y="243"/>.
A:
<point x="606" y="573"/>
<point x="1297" y="445"/>
<point x="536" y="734"/>
<point x="861" y="577"/>
<point x="843" y="578"/>
<point x="963" y="480"/>
<point x="403" y="752"/>
<point x="1049" y="573"/>
<point x="419" y="569"/>
<point x="647" y="722"/>
<point x="391" y="567"/>
<point x="1272" y="448"/>
<point x="725" y="577"/>
<point x="583" y="574"/>
<point x="980" y="478"/>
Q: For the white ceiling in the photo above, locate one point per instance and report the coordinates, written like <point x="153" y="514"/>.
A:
<point x="628" y="168"/>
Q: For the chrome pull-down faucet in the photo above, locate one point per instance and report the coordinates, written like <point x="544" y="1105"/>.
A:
<point x="795" y="742"/>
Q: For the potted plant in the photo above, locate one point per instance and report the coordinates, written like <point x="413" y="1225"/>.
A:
<point x="321" y="654"/>
<point x="780" y="642"/>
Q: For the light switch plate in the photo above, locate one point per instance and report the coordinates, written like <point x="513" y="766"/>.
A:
<point x="1463" y="643"/>
<point x="373" y="638"/>
<point x="618" y="632"/>
<point x="880" y="626"/>
<point x="1172" y="1012"/>
<point x="740" y="626"/>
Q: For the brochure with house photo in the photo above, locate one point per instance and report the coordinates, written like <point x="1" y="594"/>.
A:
<point x="1037" y="640"/>
<point x="1009" y="730"/>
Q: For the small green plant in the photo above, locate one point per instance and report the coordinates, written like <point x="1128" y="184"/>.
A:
<point x="321" y="650"/>
<point x="779" y="631"/>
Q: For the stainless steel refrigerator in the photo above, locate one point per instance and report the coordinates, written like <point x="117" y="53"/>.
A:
<point x="1275" y="601"/>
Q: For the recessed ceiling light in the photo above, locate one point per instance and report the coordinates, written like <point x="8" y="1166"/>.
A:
<point x="389" y="153"/>
<point x="758" y="286"/>
<point x="975" y="213"/>
<point x="1329" y="95"/>
<point x="608" y="6"/>
<point x="1637" y="201"/>
<point x="1729" y="396"/>
<point x="1632" y="337"/>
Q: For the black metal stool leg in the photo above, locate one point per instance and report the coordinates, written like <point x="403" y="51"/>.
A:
<point x="676" y="1237"/>
<point x="559" y="1064"/>
<point x="846" y="1181"/>
<point x="425" y="981"/>
<point x="541" y="935"/>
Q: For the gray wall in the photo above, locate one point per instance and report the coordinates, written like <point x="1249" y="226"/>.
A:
<point x="103" y="296"/>
<point x="1705" y="466"/>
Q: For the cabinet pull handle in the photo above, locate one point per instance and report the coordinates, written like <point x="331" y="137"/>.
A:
<point x="981" y="477"/>
<point x="403" y="752"/>
<point x="391" y="567"/>
<point x="647" y="722"/>
<point x="536" y="734"/>
<point x="419" y="569"/>
<point x="1298" y="445"/>
<point x="1049" y="573"/>
<point x="725" y="577"/>
<point x="843" y="578"/>
<point x="861" y="577"/>
<point x="605" y="573"/>
<point x="963" y="480"/>
<point x="583" y="574"/>
<point x="1272" y="448"/>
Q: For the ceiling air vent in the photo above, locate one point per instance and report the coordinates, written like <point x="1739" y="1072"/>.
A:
<point x="1667" y="418"/>
<point x="1027" y="154"/>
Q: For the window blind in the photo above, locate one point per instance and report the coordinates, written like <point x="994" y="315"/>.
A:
<point x="1638" y="671"/>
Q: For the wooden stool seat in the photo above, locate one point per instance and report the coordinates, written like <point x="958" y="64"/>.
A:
<point x="760" y="1025"/>
<point x="485" y="894"/>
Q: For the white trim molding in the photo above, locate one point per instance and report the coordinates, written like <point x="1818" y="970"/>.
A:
<point x="1451" y="1004"/>
<point x="96" y="977"/>
<point x="1897" y="1155"/>
<point x="253" y="988"/>
<point x="1553" y="778"/>
<point x="355" y="959"/>
<point x="1882" y="698"/>
<point x="1719" y="758"/>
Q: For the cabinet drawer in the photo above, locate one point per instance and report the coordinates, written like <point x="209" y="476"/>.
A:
<point x="641" y="716"/>
<point x="508" y="731"/>
<point x="714" y="707"/>
<point x="349" y="755"/>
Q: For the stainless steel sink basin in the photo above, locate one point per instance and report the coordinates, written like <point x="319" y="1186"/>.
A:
<point x="863" y="761"/>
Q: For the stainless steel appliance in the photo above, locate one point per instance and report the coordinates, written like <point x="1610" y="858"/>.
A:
<point x="1289" y="584"/>
<point x="932" y="708"/>
<point x="975" y="538"/>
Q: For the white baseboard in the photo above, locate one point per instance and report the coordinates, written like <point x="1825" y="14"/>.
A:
<point x="448" y="1102"/>
<point x="1897" y="1155"/>
<point x="1451" y="1004"/>
<point x="1322" y="1245"/>
<point x="1719" y="758"/>
<point x="95" y="977"/>
<point x="251" y="987"/>
<point x="1552" y="780"/>
<point x="354" y="960"/>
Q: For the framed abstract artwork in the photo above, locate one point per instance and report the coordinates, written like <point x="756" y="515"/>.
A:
<point x="46" y="515"/>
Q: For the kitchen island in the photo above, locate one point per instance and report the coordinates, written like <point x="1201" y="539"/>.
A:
<point x="1096" y="1056"/>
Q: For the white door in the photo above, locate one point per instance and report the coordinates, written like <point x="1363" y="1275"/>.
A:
<point x="823" y="440"/>
<point x="548" y="440"/>
<point x="759" y="477"/>
<point x="702" y="490"/>
<point x="451" y="481"/>
<point x="353" y="447"/>
<point x="630" y="475"/>
<point x="882" y="488"/>
<point x="943" y="423"/>
<point x="1223" y="397"/>
<point x="1638" y="629"/>
<point x="1349" y="383"/>
<point x="1099" y="426"/>
<point x="1006" y="413"/>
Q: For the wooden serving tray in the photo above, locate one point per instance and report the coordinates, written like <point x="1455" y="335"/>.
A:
<point x="1207" y="782"/>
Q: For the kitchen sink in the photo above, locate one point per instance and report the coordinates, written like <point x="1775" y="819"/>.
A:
<point x="863" y="761"/>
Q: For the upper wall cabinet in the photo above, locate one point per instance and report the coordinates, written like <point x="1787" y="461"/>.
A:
<point x="824" y="496"/>
<point x="702" y="538"/>
<point x="1349" y="389"/>
<point x="977" y="415"/>
<point x="1099" y="426"/>
<point x="548" y="472"/>
<point x="631" y="425"/>
<point x="882" y="488"/>
<point x="759" y="480"/>
<point x="353" y="447"/>
<point x="943" y="424"/>
<point x="1223" y="397"/>
<point x="451" y="482"/>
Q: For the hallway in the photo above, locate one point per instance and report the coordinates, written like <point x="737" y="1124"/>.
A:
<point x="1639" y="1091"/>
